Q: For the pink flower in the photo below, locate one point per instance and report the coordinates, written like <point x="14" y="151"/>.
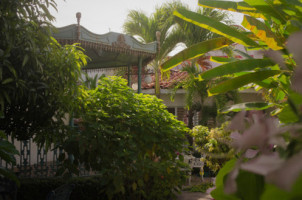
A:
<point x="297" y="79"/>
<point x="287" y="173"/>
<point x="264" y="164"/>
<point x="261" y="132"/>
<point x="251" y="153"/>
<point x="294" y="44"/>
<point x="238" y="122"/>
<point x="276" y="56"/>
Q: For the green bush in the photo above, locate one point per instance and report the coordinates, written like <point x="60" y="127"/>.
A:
<point x="128" y="138"/>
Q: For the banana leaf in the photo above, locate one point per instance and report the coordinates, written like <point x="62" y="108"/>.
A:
<point x="241" y="7"/>
<point x="235" y="67"/>
<point x="195" y="51"/>
<point x="268" y="9"/>
<point x="215" y="26"/>
<point x="262" y="32"/>
<point x="240" y="81"/>
<point x="219" y="59"/>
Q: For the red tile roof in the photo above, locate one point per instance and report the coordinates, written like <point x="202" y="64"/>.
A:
<point x="167" y="82"/>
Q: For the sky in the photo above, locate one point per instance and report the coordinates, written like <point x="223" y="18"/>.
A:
<point x="102" y="16"/>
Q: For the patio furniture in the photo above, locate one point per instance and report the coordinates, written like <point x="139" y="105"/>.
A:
<point x="61" y="193"/>
<point x="8" y="189"/>
<point x="194" y="163"/>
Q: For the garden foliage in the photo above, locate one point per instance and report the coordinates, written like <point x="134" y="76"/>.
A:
<point x="269" y="148"/>
<point x="37" y="76"/>
<point x="214" y="145"/>
<point x="130" y="139"/>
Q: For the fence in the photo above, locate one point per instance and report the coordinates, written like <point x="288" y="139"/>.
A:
<point x="35" y="161"/>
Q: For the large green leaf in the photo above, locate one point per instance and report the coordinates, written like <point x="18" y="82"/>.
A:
<point x="287" y="115"/>
<point x="273" y="192"/>
<point x="241" y="7"/>
<point x="247" y="106"/>
<point x="235" y="67"/>
<point x="218" y="193"/>
<point x="268" y="9"/>
<point x="262" y="32"/>
<point x="195" y="51"/>
<point x="225" y="170"/>
<point x="240" y="81"/>
<point x="250" y="185"/>
<point x="215" y="26"/>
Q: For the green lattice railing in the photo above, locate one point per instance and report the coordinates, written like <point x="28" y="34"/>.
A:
<point x="36" y="161"/>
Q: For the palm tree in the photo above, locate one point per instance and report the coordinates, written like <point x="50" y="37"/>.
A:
<point x="161" y="27"/>
<point x="195" y="89"/>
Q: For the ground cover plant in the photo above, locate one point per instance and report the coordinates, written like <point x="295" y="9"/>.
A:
<point x="268" y="143"/>
<point x="130" y="139"/>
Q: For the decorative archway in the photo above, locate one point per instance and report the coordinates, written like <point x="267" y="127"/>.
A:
<point x="108" y="50"/>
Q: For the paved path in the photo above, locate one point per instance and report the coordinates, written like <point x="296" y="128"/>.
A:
<point x="185" y="195"/>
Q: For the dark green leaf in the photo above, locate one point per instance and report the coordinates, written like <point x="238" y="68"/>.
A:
<point x="235" y="67"/>
<point x="240" y="81"/>
<point x="25" y="60"/>
<point x="250" y="185"/>
<point x="272" y="192"/>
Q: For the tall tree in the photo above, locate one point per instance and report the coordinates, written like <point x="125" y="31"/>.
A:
<point x="161" y="27"/>
<point x="38" y="77"/>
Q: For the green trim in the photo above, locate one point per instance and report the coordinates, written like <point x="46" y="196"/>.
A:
<point x="140" y="61"/>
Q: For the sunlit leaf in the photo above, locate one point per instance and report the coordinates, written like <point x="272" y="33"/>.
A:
<point x="287" y="115"/>
<point x="235" y="67"/>
<point x="268" y="10"/>
<point x="241" y="7"/>
<point x="240" y="81"/>
<point x="262" y="31"/>
<point x="215" y="26"/>
<point x="195" y="51"/>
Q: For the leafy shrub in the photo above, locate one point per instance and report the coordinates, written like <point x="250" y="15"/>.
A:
<point x="213" y="144"/>
<point x="128" y="138"/>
